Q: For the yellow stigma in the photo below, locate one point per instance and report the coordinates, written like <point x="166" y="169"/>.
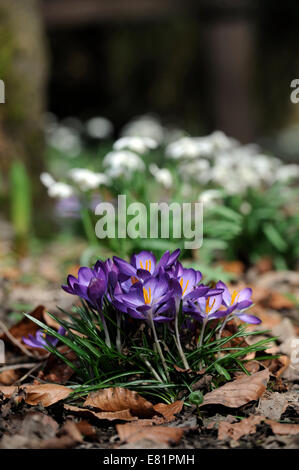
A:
<point x="182" y="283"/>
<point x="147" y="295"/>
<point x="235" y="297"/>
<point x="134" y="279"/>
<point x="208" y="306"/>
<point x="148" y="264"/>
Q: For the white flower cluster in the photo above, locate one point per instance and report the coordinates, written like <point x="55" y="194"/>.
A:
<point x="122" y="164"/>
<point x="83" y="179"/>
<point x="161" y="175"/>
<point x="136" y="144"/>
<point x="219" y="160"/>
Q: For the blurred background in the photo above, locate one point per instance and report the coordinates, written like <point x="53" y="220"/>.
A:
<point x="200" y="64"/>
<point x="192" y="65"/>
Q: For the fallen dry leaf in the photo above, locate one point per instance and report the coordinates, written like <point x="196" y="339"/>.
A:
<point x="26" y="326"/>
<point x="279" y="301"/>
<point x="134" y="432"/>
<point x="7" y="391"/>
<point x="46" y="394"/>
<point x="240" y="391"/>
<point x="56" y="369"/>
<point x="9" y="377"/>
<point x="251" y="366"/>
<point x="273" y="405"/>
<point x="118" y="399"/>
<point x="284" y="362"/>
<point x="123" y="415"/>
<point x="86" y="429"/>
<point x="67" y="438"/>
<point x="283" y="428"/>
<point x="169" y="411"/>
<point x="236" y="430"/>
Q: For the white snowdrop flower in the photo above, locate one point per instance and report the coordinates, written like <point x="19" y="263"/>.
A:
<point x="60" y="190"/>
<point x="87" y="179"/>
<point x="189" y="147"/>
<point x="135" y="143"/>
<point x="122" y="163"/>
<point x="287" y="172"/>
<point x="47" y="179"/>
<point x="65" y="140"/>
<point x="162" y="175"/>
<point x="209" y="197"/>
<point x="99" y="127"/>
<point x="221" y="141"/>
<point x="144" y="126"/>
<point x="198" y="170"/>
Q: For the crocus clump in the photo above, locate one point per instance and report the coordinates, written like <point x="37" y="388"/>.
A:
<point x="145" y="318"/>
<point x="154" y="291"/>
<point x="158" y="292"/>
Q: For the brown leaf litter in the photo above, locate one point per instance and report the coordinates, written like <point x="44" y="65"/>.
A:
<point x="240" y="391"/>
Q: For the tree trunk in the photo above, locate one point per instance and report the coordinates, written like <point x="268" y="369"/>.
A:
<point x="23" y="68"/>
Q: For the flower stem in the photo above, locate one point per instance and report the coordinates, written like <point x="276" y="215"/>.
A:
<point x="178" y="343"/>
<point x="105" y="328"/>
<point x="158" y="346"/>
<point x="223" y="326"/>
<point x="118" y="338"/>
<point x="150" y="367"/>
<point x="204" y="324"/>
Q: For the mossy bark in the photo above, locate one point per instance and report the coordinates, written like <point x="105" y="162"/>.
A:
<point x="23" y="68"/>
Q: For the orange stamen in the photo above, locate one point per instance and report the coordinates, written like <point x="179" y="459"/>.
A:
<point x="208" y="306"/>
<point x="147" y="295"/>
<point x="182" y="283"/>
<point x="235" y="297"/>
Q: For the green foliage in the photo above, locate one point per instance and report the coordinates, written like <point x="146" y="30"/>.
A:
<point x="20" y="194"/>
<point x="137" y="363"/>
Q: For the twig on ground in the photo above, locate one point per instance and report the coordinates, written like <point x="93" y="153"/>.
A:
<point x="18" y="366"/>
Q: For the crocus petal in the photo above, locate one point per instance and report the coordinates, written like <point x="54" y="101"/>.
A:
<point x="125" y="268"/>
<point x="144" y="260"/>
<point x="244" y="304"/>
<point x="218" y="314"/>
<point x="245" y="294"/>
<point x="249" y="318"/>
<point x="200" y="291"/>
<point x="68" y="289"/>
<point x="226" y="295"/>
<point x="85" y="275"/>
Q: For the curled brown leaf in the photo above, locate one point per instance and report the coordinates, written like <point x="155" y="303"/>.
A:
<point x="46" y="394"/>
<point x="161" y="434"/>
<point x="118" y="399"/>
<point x="240" y="391"/>
<point x="169" y="411"/>
<point x="237" y="430"/>
<point x="123" y="415"/>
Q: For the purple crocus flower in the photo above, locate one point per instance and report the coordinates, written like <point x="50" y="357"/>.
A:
<point x="91" y="284"/>
<point x="168" y="260"/>
<point x="141" y="267"/>
<point x="42" y="339"/>
<point x="237" y="302"/>
<point x="206" y="308"/>
<point x="154" y="297"/>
